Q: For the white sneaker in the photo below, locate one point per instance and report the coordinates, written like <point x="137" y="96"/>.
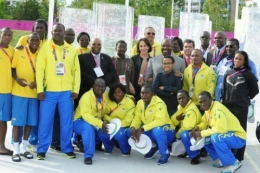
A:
<point x="232" y="168"/>
<point x="218" y="164"/>
<point x="32" y="148"/>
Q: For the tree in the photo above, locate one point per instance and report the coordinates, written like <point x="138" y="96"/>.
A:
<point x="27" y="10"/>
<point x="5" y="10"/>
<point x="44" y="10"/>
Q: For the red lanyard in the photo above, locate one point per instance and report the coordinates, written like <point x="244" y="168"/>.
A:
<point x="215" y="58"/>
<point x="113" y="110"/>
<point x="228" y="61"/>
<point x="194" y="75"/>
<point x="6" y="53"/>
<point x="235" y="73"/>
<point x="115" y="62"/>
<point x="208" y="115"/>
<point x="102" y="106"/>
<point x="30" y="59"/>
<point x="154" y="51"/>
<point x="81" y="52"/>
<point x="55" y="55"/>
<point x="96" y="61"/>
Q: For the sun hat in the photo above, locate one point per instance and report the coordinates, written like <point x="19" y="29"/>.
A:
<point x="197" y="144"/>
<point x="143" y="146"/>
<point x="113" y="127"/>
<point x="178" y="148"/>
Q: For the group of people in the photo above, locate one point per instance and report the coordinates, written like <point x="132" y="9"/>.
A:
<point x="52" y="92"/>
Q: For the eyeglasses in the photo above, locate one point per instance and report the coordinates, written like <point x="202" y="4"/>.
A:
<point x="231" y="46"/>
<point x="203" y="37"/>
<point x="149" y="33"/>
<point x="167" y="63"/>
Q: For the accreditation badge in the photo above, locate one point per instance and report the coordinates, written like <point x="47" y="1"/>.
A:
<point x="214" y="67"/>
<point x="60" y="68"/>
<point x="223" y="70"/>
<point x="191" y="91"/>
<point x="122" y="79"/>
<point x="98" y="71"/>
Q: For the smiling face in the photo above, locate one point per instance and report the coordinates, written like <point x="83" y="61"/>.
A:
<point x="175" y="46"/>
<point x="149" y="33"/>
<point x="99" y="87"/>
<point x="239" y="60"/>
<point x="121" y="49"/>
<point x="143" y="47"/>
<point x="95" y="46"/>
<point x="167" y="65"/>
<point x="166" y="47"/>
<point x="84" y="41"/>
<point x="34" y="41"/>
<point x="187" y="48"/>
<point x="118" y="95"/>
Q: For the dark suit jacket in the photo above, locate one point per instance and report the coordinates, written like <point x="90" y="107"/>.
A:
<point x="88" y="75"/>
<point x="209" y="59"/>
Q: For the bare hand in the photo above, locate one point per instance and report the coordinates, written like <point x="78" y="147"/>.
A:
<point x="178" y="73"/>
<point x="41" y="96"/>
<point x="131" y="88"/>
<point x="21" y="82"/>
<point x="104" y="127"/>
<point x="161" y="87"/>
<point x="138" y="134"/>
<point x="180" y="117"/>
<point x="197" y="135"/>
<point x="32" y="85"/>
<point x="19" y="47"/>
<point x="74" y="96"/>
<point x="133" y="131"/>
<point x="193" y="131"/>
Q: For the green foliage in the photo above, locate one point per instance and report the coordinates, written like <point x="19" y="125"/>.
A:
<point x="27" y="10"/>
<point x="17" y="35"/>
<point x="5" y="11"/>
<point x="44" y="10"/>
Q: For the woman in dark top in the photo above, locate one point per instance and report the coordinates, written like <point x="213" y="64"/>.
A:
<point x="140" y="63"/>
<point x="166" y="85"/>
<point x="240" y="85"/>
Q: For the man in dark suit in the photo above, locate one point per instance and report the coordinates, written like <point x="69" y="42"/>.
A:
<point x="205" y="46"/>
<point x="219" y="52"/>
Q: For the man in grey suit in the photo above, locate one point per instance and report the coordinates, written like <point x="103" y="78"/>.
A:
<point x="155" y="64"/>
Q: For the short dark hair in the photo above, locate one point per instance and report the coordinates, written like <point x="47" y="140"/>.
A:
<point x="246" y="59"/>
<point x="179" y="41"/>
<point x="189" y="41"/>
<point x="146" y="42"/>
<point x="121" y="41"/>
<point x="234" y="40"/>
<point x="33" y="34"/>
<point x="60" y="24"/>
<point x="149" y="27"/>
<point x="169" y="57"/>
<point x="81" y="34"/>
<point x="205" y="93"/>
<point x="112" y="89"/>
<point x="45" y="25"/>
<point x="149" y="87"/>
<point x="184" y="92"/>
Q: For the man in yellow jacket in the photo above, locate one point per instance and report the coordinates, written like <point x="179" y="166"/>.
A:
<point x="187" y="117"/>
<point x="151" y="118"/>
<point x="222" y="132"/>
<point x="89" y="120"/>
<point x="58" y="80"/>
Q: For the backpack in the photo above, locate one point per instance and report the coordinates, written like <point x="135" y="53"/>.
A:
<point x="257" y="131"/>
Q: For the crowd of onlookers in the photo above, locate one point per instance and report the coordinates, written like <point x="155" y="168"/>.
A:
<point x="52" y="92"/>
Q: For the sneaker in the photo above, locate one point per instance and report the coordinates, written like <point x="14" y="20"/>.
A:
<point x="69" y="155"/>
<point x="164" y="159"/>
<point x="32" y="148"/>
<point x="232" y="168"/>
<point x="126" y="154"/>
<point x="218" y="164"/>
<point x="184" y="155"/>
<point x="195" y="160"/>
<point x="40" y="156"/>
<point x="88" y="161"/>
<point x="151" y="154"/>
<point x="57" y="148"/>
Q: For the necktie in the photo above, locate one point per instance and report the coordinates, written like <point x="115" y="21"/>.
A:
<point x="218" y="52"/>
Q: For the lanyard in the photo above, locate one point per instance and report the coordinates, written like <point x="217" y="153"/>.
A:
<point x="81" y="51"/>
<point x="208" y="115"/>
<point x="215" y="58"/>
<point x="6" y="53"/>
<point x="235" y="73"/>
<point x="115" y="62"/>
<point x="102" y="106"/>
<point x="146" y="66"/>
<point x="96" y="60"/>
<point x="194" y="75"/>
<point x="154" y="51"/>
<point x="188" y="59"/>
<point x="113" y="110"/>
<point x="228" y="61"/>
<point x="55" y="55"/>
<point x="30" y="59"/>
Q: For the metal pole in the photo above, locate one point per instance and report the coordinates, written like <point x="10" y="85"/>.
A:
<point x="50" y="18"/>
<point x="189" y="5"/>
<point x="172" y="17"/>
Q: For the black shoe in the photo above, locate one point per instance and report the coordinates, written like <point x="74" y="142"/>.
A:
<point x="80" y="146"/>
<point x="88" y="161"/>
<point x="170" y="147"/>
<point x="70" y="155"/>
<point x="99" y="147"/>
<point x="195" y="160"/>
<point x="57" y="148"/>
<point x="41" y="156"/>
<point x="184" y="155"/>
<point x="203" y="152"/>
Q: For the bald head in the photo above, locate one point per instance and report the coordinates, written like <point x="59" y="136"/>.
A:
<point x="220" y="39"/>
<point x="99" y="87"/>
<point x="205" y="38"/>
<point x="167" y="46"/>
<point x="69" y="35"/>
<point x="95" y="45"/>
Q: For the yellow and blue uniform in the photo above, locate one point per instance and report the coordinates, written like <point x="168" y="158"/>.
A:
<point x="224" y="131"/>
<point x="24" y="99"/>
<point x="81" y="50"/>
<point x="205" y="80"/>
<point x="156" y="50"/>
<point x="6" y="55"/>
<point x="88" y="120"/>
<point x="155" y="121"/>
<point x="191" y="119"/>
<point x="125" y="112"/>
<point x="58" y="88"/>
<point x="24" y="41"/>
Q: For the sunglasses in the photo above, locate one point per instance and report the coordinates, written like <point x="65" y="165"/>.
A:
<point x="204" y="37"/>
<point x="149" y="33"/>
<point x="231" y="46"/>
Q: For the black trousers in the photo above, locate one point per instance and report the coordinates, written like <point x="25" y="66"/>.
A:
<point x="241" y="114"/>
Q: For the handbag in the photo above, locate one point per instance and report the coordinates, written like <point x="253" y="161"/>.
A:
<point x="251" y="112"/>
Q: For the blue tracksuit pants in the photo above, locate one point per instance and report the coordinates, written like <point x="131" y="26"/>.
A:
<point x="91" y="136"/>
<point x="221" y="145"/>
<point x="185" y="138"/>
<point x="161" y="136"/>
<point x="46" y="118"/>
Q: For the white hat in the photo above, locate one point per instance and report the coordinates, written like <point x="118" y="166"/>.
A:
<point x="178" y="148"/>
<point x="197" y="144"/>
<point x="143" y="146"/>
<point x="251" y="112"/>
<point x="113" y="127"/>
